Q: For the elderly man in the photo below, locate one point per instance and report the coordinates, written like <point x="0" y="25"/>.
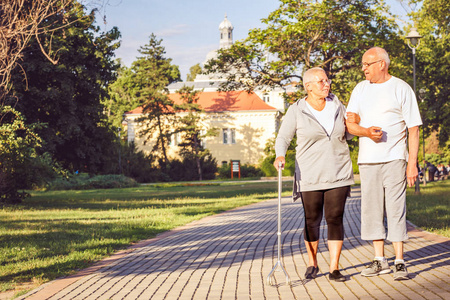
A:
<point x="388" y="108"/>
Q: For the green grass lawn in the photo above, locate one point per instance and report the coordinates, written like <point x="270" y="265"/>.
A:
<point x="431" y="209"/>
<point x="55" y="233"/>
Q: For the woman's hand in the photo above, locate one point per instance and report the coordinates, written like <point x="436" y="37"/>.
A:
<point x="353" y="117"/>
<point x="277" y="162"/>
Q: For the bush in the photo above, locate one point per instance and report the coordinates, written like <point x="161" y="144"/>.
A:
<point x="289" y="168"/>
<point x="186" y="170"/>
<point x="21" y="166"/>
<point x="247" y="171"/>
<point x="435" y="158"/>
<point x="84" y="182"/>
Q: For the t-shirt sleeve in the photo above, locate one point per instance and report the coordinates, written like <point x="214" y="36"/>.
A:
<point x="410" y="109"/>
<point x="353" y="102"/>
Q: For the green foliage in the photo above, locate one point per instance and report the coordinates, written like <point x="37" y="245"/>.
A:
<point x="20" y="165"/>
<point x="247" y="171"/>
<point x="121" y="97"/>
<point x="289" y="168"/>
<point x="303" y="34"/>
<point x="193" y="72"/>
<point x="433" y="59"/>
<point x="187" y="168"/>
<point x="446" y="153"/>
<point x="152" y="72"/>
<point x="353" y="146"/>
<point x="83" y="181"/>
<point x="67" y="96"/>
<point x="137" y="165"/>
<point x="435" y="159"/>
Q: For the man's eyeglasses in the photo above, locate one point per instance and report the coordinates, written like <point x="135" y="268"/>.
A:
<point x="323" y="81"/>
<point x="365" y="65"/>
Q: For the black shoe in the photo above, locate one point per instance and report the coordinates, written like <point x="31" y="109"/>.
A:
<point x="337" y="276"/>
<point x="311" y="272"/>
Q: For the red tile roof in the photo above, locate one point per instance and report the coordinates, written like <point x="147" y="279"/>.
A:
<point x="222" y="101"/>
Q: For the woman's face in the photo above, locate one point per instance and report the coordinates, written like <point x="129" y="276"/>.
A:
<point x="319" y="87"/>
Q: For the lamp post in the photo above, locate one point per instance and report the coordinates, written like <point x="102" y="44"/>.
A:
<point x="413" y="42"/>
<point x="422" y="92"/>
<point x="120" y="154"/>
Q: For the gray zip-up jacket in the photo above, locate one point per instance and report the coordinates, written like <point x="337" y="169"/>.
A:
<point x="322" y="160"/>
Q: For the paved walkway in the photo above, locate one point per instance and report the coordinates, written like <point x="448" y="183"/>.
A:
<point x="230" y="255"/>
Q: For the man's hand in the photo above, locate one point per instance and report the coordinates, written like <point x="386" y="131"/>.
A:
<point x="411" y="174"/>
<point x="375" y="133"/>
<point x="353" y="118"/>
<point x="277" y="161"/>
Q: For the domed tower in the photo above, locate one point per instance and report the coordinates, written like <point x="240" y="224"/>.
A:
<point x="226" y="33"/>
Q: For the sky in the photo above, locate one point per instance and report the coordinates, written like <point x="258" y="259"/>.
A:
<point x="189" y="29"/>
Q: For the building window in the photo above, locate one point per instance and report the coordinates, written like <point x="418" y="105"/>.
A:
<point x="266" y="98"/>
<point x="224" y="163"/>
<point x="174" y="140"/>
<point x="202" y="140"/>
<point x="229" y="136"/>
<point x="229" y="35"/>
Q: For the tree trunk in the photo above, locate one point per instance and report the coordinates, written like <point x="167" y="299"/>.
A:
<point x="197" y="158"/>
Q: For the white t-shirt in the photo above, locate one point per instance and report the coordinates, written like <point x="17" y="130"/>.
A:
<point x="326" y="115"/>
<point x="390" y="105"/>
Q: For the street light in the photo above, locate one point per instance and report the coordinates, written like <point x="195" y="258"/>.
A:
<point x="413" y="42"/>
<point x="422" y="93"/>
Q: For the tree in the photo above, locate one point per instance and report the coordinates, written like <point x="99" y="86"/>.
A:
<point x="67" y="96"/>
<point x="433" y="59"/>
<point x="22" y="20"/>
<point x="193" y="72"/>
<point x="192" y="128"/>
<point x="152" y="72"/>
<point x="302" y="34"/>
<point x="120" y="97"/>
<point x="18" y="144"/>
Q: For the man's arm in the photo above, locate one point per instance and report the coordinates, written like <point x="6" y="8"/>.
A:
<point x="374" y="133"/>
<point x="413" y="145"/>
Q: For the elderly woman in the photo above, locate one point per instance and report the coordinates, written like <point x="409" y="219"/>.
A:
<point x="323" y="169"/>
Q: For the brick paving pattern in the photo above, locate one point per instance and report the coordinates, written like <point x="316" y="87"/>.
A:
<point x="229" y="256"/>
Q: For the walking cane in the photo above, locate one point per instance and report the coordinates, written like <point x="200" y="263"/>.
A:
<point x="278" y="265"/>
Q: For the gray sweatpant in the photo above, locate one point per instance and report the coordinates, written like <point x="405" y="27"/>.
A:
<point x="383" y="193"/>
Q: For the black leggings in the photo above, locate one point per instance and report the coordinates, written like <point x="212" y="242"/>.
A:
<point x="314" y="203"/>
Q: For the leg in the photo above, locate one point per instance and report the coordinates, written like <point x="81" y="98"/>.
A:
<point x="372" y="216"/>
<point x="372" y="202"/>
<point x="334" y="205"/>
<point x="398" y="248"/>
<point x="378" y="246"/>
<point x="394" y="174"/>
<point x="311" y="248"/>
<point x="313" y="211"/>
<point x="395" y="180"/>
<point x="335" y="248"/>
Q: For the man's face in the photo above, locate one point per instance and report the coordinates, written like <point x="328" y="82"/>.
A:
<point x="372" y="66"/>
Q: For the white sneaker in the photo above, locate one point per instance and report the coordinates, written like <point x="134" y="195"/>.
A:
<point x="377" y="267"/>
<point x="400" y="272"/>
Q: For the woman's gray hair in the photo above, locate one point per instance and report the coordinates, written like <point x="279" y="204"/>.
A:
<point x="382" y="54"/>
<point x="308" y="76"/>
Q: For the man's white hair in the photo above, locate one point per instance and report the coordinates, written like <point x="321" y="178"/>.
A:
<point x="308" y="76"/>
<point x="382" y="54"/>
